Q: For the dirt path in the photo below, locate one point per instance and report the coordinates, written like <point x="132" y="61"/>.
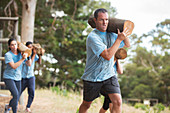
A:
<point x="47" y="101"/>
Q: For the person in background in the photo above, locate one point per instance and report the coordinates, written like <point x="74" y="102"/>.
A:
<point x="28" y="78"/>
<point x="107" y="102"/>
<point x="12" y="73"/>
<point x="99" y="72"/>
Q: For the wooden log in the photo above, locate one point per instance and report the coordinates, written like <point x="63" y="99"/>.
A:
<point x="114" y="24"/>
<point x="9" y="18"/>
<point x="2" y="58"/>
<point x="24" y="49"/>
<point x="121" y="53"/>
<point x="39" y="49"/>
<point x="4" y="40"/>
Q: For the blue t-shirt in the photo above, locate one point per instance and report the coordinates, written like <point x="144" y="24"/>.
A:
<point x="28" y="71"/>
<point x="10" y="73"/>
<point x="115" y="68"/>
<point x="97" y="68"/>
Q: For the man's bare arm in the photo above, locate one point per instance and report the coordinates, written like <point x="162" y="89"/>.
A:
<point x="110" y="52"/>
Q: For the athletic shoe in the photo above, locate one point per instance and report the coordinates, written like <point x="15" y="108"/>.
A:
<point x="7" y="109"/>
<point x="28" y="110"/>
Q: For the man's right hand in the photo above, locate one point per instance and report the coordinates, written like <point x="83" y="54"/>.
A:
<point x="122" y="35"/>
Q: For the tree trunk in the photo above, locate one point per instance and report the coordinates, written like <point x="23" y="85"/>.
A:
<point x="27" y="27"/>
<point x="28" y="18"/>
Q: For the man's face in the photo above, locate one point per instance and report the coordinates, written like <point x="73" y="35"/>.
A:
<point x="102" y="21"/>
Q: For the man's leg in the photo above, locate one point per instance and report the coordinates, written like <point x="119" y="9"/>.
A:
<point x="84" y="106"/>
<point x="112" y="88"/>
<point x="117" y="102"/>
<point x="106" y="103"/>
<point x="91" y="91"/>
<point x="110" y="107"/>
<point x="102" y="110"/>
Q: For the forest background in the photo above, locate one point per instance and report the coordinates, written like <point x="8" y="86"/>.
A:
<point x="61" y="28"/>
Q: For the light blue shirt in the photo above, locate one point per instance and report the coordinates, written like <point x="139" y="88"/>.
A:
<point x="97" y="68"/>
<point x="115" y="68"/>
<point x="28" y="71"/>
<point x="10" y="73"/>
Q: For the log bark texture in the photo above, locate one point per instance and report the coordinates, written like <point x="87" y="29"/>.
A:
<point x="24" y="49"/>
<point x="114" y="24"/>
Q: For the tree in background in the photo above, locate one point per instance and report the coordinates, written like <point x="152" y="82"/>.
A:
<point x="148" y="74"/>
<point x="28" y="20"/>
<point x="25" y="9"/>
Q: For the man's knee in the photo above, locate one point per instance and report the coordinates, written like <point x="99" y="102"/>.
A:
<point x="116" y="99"/>
<point x="86" y="104"/>
<point x="117" y="102"/>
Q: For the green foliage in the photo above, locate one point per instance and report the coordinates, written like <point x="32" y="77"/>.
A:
<point x="158" y="108"/>
<point x="142" y="106"/>
<point x="141" y="91"/>
<point x="60" y="91"/>
<point x="148" y="73"/>
<point x="77" y="110"/>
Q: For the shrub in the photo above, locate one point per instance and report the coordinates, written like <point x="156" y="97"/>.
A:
<point x="143" y="107"/>
<point x="59" y="91"/>
<point x="158" y="108"/>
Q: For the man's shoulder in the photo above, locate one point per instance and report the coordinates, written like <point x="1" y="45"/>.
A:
<point x="112" y="34"/>
<point x="92" y="35"/>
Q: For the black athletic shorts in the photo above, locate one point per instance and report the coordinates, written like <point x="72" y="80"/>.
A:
<point x="92" y="90"/>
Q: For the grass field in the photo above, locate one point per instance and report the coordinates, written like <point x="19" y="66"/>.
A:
<point x="47" y="101"/>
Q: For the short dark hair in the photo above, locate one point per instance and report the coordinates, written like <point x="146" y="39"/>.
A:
<point x="28" y="43"/>
<point x="99" y="10"/>
<point x="9" y="42"/>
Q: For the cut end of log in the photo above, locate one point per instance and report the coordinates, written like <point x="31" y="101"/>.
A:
<point x="29" y="51"/>
<point x="121" y="53"/>
<point x="129" y="25"/>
